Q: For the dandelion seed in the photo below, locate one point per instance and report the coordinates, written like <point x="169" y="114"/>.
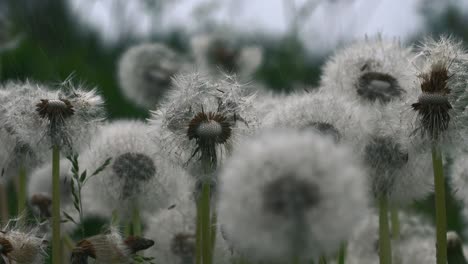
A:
<point x="280" y="198"/>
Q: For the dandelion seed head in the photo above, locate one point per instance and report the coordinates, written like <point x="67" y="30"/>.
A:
<point x="217" y="53"/>
<point x="138" y="174"/>
<point x="201" y="118"/>
<point x="281" y="184"/>
<point x="441" y="100"/>
<point x="145" y="72"/>
<point x="369" y="71"/>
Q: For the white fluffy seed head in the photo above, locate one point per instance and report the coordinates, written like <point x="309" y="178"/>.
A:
<point x="397" y="166"/>
<point x="459" y="179"/>
<point x="183" y="117"/>
<point x="218" y="53"/>
<point x="145" y="72"/>
<point x="138" y="175"/>
<point x="371" y="70"/>
<point x="263" y="225"/>
<point x="30" y="129"/>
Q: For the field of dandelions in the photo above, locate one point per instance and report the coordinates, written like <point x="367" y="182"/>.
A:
<point x="226" y="171"/>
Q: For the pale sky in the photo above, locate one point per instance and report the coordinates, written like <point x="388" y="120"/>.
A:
<point x="329" y="23"/>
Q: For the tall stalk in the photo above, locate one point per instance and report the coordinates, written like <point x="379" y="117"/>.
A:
<point x="136" y="221"/>
<point x="206" y="222"/>
<point x="395" y="223"/>
<point x="440" y="206"/>
<point x="342" y="253"/>
<point x="56" y="219"/>
<point x="385" y="248"/>
<point x="198" y="238"/>
<point x="22" y="182"/>
<point x="4" y="212"/>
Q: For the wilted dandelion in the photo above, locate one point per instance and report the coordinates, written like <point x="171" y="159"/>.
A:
<point x="22" y="245"/>
<point x="109" y="248"/>
<point x="145" y="72"/>
<point x="281" y="199"/>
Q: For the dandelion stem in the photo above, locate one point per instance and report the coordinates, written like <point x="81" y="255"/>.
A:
<point x="21" y="190"/>
<point x="385" y="249"/>
<point x="342" y="253"/>
<point x="206" y="222"/>
<point x="5" y="214"/>
<point x="440" y="207"/>
<point x="214" y="222"/>
<point x="395" y="223"/>
<point x="198" y="248"/>
<point x="136" y="221"/>
<point x="56" y="241"/>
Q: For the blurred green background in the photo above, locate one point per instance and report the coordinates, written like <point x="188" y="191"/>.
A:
<point x="53" y="46"/>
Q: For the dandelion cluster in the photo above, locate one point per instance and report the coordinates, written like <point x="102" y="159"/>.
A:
<point x="221" y="172"/>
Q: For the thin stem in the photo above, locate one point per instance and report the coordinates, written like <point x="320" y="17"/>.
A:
<point x="214" y="229"/>
<point x="4" y="212"/>
<point x="206" y="222"/>
<point x="440" y="206"/>
<point x="22" y="182"/>
<point x="56" y="241"/>
<point x="385" y="249"/>
<point x="198" y="241"/>
<point x="136" y="221"/>
<point x="342" y="253"/>
<point x="395" y="223"/>
<point x="115" y="220"/>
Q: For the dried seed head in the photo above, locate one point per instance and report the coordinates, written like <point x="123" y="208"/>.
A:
<point x="136" y="244"/>
<point x="377" y="86"/>
<point x="433" y="106"/>
<point x="5" y="246"/>
<point x="22" y="247"/>
<point x="54" y="108"/>
<point x="209" y="126"/>
<point x="287" y="196"/>
<point x="183" y="245"/>
<point x="134" y="169"/>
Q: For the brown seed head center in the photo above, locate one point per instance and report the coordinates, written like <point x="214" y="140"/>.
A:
<point x="55" y="108"/>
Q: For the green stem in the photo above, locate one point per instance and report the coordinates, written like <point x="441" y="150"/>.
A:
<point x="395" y="223"/>
<point x="136" y="221"/>
<point x="115" y="220"/>
<point x="214" y="229"/>
<point x="4" y="212"/>
<point x="22" y="182"/>
<point x="56" y="241"/>
<point x="440" y="207"/>
<point x="322" y="260"/>
<point x="198" y="241"/>
<point x="385" y="249"/>
<point x="206" y="222"/>
<point x="342" y="253"/>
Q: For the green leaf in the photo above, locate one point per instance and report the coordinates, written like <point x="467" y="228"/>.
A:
<point x="83" y="176"/>
<point x="102" y="167"/>
<point x="69" y="218"/>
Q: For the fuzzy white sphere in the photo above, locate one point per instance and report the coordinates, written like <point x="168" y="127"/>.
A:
<point x="281" y="197"/>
